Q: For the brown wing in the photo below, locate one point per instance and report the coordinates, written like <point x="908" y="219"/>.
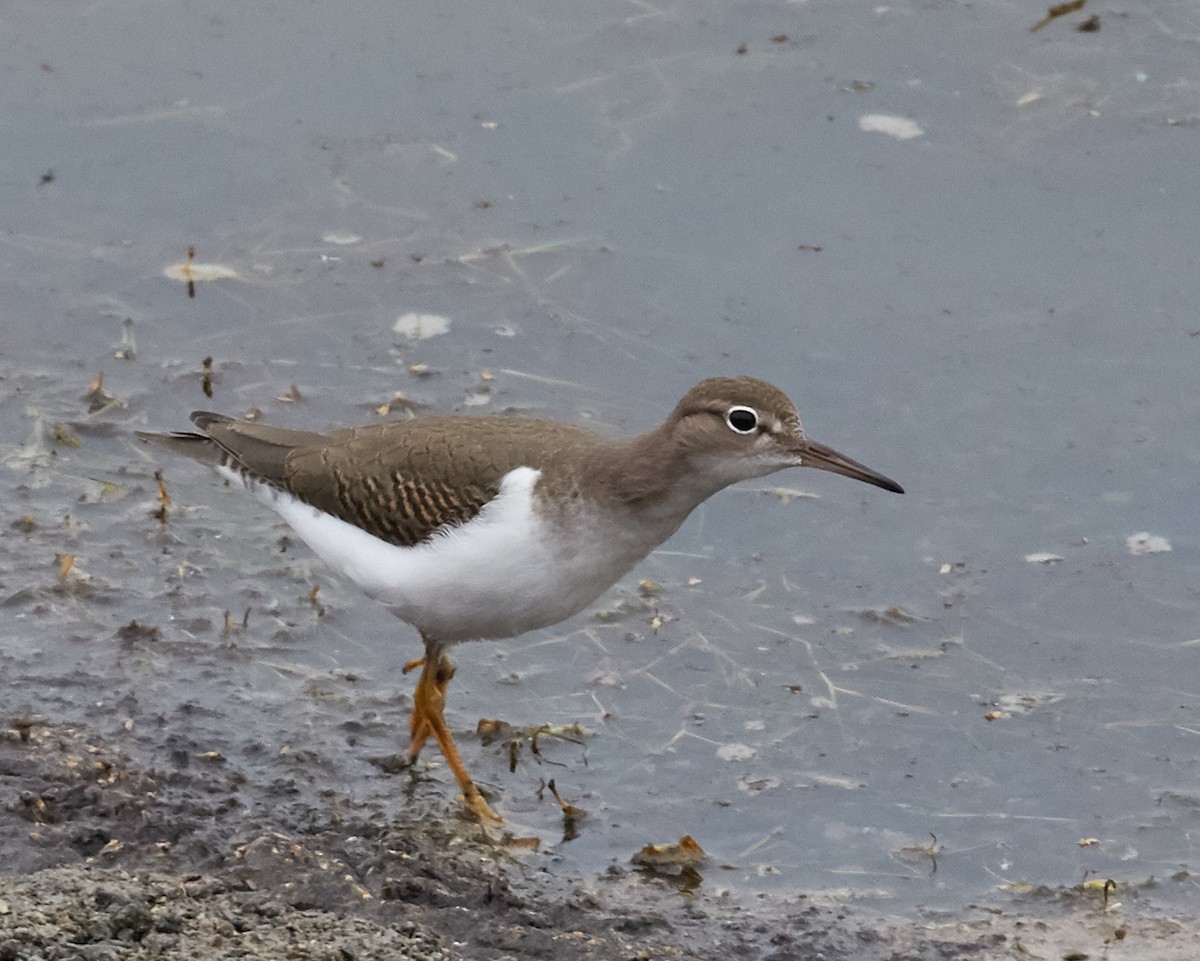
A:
<point x="387" y="481"/>
<point x="402" y="481"/>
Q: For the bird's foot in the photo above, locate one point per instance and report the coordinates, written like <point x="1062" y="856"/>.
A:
<point x="479" y="807"/>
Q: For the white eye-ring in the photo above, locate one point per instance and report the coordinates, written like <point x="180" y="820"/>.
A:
<point x="742" y="420"/>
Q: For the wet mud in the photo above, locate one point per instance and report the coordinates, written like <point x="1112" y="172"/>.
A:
<point x="103" y="860"/>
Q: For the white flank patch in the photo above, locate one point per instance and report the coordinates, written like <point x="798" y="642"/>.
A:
<point x="1043" y="557"/>
<point x="421" y="326"/>
<point x="495" y="566"/>
<point x="1146" y="543"/>
<point x="505" y="571"/>
<point x="899" y="127"/>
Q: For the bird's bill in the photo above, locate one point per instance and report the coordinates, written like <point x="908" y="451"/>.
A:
<point x="821" y="457"/>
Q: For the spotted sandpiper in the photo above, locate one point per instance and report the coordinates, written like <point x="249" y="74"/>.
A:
<point x="487" y="527"/>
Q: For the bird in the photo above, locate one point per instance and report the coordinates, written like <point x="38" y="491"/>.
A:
<point x="471" y="527"/>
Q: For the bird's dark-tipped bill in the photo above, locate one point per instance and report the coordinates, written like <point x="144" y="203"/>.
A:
<point x="826" y="458"/>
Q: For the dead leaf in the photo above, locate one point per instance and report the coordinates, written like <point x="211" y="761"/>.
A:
<point x="683" y="853"/>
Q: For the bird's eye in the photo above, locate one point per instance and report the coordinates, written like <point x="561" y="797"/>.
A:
<point x="742" y="420"/>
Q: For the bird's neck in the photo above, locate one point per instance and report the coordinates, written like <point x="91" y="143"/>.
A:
<point x="652" y="473"/>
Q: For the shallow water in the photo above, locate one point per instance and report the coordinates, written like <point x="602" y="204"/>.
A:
<point x="608" y="203"/>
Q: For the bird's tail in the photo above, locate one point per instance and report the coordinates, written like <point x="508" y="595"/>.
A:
<point x="188" y="443"/>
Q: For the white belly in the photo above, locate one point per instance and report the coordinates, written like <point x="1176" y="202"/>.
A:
<point x="499" y="575"/>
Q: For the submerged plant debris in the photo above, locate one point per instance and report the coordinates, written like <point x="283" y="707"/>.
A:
<point x="1056" y="11"/>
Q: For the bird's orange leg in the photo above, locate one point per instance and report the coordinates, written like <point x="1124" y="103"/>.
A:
<point x="429" y="703"/>
<point x="418" y="726"/>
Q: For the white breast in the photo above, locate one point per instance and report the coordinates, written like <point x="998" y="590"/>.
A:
<point x="496" y="576"/>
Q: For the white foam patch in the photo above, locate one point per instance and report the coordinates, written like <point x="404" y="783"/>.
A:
<point x="416" y="326"/>
<point x="899" y="127"/>
<point x="1146" y="543"/>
